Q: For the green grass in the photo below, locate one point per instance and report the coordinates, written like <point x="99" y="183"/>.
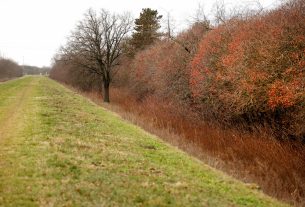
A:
<point x="59" y="149"/>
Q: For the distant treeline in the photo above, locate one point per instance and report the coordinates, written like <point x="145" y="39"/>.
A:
<point x="34" y="70"/>
<point x="10" y="69"/>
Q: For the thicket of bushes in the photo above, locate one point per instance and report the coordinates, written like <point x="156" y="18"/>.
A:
<point x="252" y="71"/>
<point x="9" y="69"/>
<point x="244" y="72"/>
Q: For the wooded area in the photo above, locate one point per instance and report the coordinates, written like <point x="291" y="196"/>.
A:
<point x="9" y="69"/>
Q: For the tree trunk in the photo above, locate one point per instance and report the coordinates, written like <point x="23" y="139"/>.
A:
<point x="106" y="92"/>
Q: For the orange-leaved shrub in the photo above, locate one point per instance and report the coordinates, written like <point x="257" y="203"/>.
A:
<point x="252" y="71"/>
<point x="160" y="70"/>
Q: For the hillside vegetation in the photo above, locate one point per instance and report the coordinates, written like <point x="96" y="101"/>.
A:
<point x="59" y="149"/>
<point x="232" y="89"/>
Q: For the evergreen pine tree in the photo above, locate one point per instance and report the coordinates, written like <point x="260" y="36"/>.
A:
<point x="146" y="29"/>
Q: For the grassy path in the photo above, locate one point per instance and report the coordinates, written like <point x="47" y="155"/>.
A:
<point x="59" y="149"/>
<point x="12" y="96"/>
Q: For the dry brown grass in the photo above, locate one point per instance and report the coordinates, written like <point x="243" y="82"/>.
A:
<point x="278" y="168"/>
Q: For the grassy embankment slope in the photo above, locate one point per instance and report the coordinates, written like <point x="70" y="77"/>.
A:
<point x="58" y="148"/>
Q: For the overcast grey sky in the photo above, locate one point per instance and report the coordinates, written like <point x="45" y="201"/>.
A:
<point x="32" y="30"/>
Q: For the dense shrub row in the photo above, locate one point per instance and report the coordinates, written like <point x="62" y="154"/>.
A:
<point x="252" y="71"/>
<point x="161" y="70"/>
<point x="246" y="72"/>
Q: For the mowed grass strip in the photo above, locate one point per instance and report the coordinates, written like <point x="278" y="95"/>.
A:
<point x="71" y="152"/>
<point x="9" y="91"/>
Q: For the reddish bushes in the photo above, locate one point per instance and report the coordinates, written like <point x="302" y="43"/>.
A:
<point x="161" y="71"/>
<point x="253" y="70"/>
<point x="246" y="72"/>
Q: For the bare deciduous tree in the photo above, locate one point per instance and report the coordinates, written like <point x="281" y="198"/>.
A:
<point x="200" y="15"/>
<point x="220" y="12"/>
<point x="96" y="44"/>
